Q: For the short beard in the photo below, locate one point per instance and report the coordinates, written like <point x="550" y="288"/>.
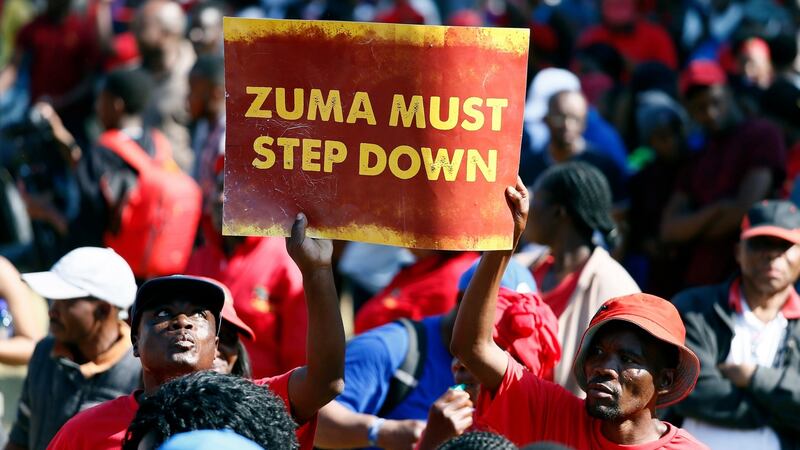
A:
<point x="611" y="412"/>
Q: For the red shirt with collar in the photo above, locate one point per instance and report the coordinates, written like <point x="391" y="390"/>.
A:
<point x="790" y="308"/>
<point x="103" y="427"/>
<point x="267" y="289"/>
<point x="527" y="409"/>
<point x="427" y="288"/>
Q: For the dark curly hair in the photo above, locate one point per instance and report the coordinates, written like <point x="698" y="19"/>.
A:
<point x="478" y="440"/>
<point x="211" y="401"/>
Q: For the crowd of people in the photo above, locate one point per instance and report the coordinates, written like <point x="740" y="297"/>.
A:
<point x="649" y="301"/>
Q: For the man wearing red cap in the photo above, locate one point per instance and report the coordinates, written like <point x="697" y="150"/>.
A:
<point x="631" y="360"/>
<point x="745" y="332"/>
<point x="741" y="162"/>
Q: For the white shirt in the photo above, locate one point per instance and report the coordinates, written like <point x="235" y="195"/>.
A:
<point x="754" y="342"/>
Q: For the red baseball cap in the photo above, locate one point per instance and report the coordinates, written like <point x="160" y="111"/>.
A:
<point x="229" y="315"/>
<point x="701" y="72"/>
<point x="775" y="218"/>
<point x="660" y="319"/>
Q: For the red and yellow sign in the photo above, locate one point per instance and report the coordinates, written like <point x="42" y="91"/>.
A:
<point x="394" y="134"/>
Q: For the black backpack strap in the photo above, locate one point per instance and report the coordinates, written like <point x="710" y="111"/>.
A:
<point x="407" y="376"/>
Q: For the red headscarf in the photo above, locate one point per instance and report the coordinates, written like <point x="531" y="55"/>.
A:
<point x="526" y="328"/>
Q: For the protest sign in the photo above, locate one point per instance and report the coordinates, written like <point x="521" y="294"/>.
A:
<point x="394" y="134"/>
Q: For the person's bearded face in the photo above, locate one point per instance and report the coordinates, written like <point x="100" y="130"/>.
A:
<point x="620" y="373"/>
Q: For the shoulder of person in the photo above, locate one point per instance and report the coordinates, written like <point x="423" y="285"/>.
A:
<point x="758" y="129"/>
<point x="700" y="299"/>
<point x="609" y="268"/>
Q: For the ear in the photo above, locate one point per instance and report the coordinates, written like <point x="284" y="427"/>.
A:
<point x="119" y="106"/>
<point x="665" y="380"/>
<point x="218" y="93"/>
<point x="135" y="342"/>
<point x="738" y="252"/>
<point x="561" y="212"/>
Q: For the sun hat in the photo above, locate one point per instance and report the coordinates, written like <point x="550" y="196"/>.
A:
<point x="660" y="319"/>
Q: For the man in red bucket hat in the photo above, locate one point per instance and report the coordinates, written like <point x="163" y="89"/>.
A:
<point x="631" y="360"/>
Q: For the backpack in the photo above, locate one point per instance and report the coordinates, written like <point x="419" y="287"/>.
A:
<point x="407" y="376"/>
<point x="159" y="216"/>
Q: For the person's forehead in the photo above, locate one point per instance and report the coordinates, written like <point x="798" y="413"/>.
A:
<point x="770" y="241"/>
<point x="622" y="336"/>
<point x="176" y="303"/>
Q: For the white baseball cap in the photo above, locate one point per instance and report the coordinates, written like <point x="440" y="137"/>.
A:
<point x="87" y="272"/>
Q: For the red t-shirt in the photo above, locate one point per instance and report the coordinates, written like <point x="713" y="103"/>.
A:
<point x="647" y="42"/>
<point x="103" y="427"/>
<point x="427" y="288"/>
<point x="267" y="289"/>
<point x="526" y="409"/>
<point x="62" y="54"/>
<point x="558" y="297"/>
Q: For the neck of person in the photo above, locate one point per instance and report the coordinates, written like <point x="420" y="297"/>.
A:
<point x="570" y="252"/>
<point x="641" y="428"/>
<point x="97" y="343"/>
<point x="563" y="153"/>
<point x="213" y="114"/>
<point x="230" y="244"/>
<point x="130" y="122"/>
<point x="151" y="381"/>
<point x="765" y="304"/>
<point x="160" y="66"/>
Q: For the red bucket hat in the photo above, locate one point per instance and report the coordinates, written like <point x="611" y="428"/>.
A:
<point x="657" y="317"/>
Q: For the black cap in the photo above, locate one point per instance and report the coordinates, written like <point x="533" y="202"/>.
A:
<point x="204" y="291"/>
<point x="776" y="218"/>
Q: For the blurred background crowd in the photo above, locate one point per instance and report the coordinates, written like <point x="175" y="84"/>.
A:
<point x="690" y="109"/>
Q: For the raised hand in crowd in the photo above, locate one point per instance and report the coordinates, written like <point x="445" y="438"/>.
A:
<point x="27" y="320"/>
<point x="70" y="148"/>
<point x="322" y="379"/>
<point x="450" y="416"/>
<point x="472" y="341"/>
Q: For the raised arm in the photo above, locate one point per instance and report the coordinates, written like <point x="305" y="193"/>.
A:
<point x="472" y="341"/>
<point x="17" y="349"/>
<point x="322" y="379"/>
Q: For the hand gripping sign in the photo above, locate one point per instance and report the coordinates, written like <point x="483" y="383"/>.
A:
<point x="394" y="134"/>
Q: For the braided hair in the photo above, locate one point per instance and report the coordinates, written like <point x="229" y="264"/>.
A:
<point x="583" y="191"/>
<point x="478" y="440"/>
